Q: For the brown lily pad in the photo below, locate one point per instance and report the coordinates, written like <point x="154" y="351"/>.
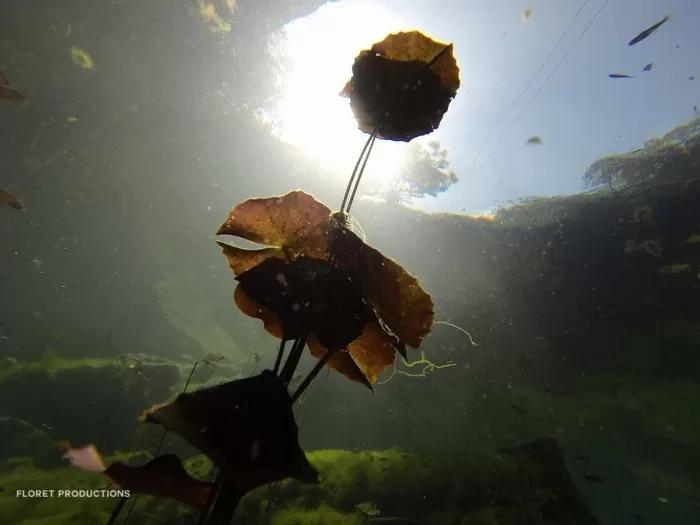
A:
<point x="404" y="84"/>
<point x="397" y="297"/>
<point x="296" y="226"/>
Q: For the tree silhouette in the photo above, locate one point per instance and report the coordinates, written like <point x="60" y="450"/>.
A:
<point x="426" y="173"/>
<point x="671" y="158"/>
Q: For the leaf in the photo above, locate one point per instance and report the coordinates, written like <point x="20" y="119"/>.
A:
<point x="341" y="361"/>
<point x="297" y="228"/>
<point x="373" y="351"/>
<point x="249" y="307"/>
<point x="397" y="297"/>
<point x="227" y="421"/>
<point x="309" y="296"/>
<point x="292" y="224"/>
<point x="403" y="84"/>
<point x="414" y="45"/>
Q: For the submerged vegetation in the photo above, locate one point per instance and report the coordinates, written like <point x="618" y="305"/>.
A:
<point x="585" y="309"/>
<point x="471" y="487"/>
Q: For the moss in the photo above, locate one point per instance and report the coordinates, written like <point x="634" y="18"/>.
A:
<point x="432" y="488"/>
<point x="675" y="268"/>
<point x="435" y="489"/>
<point x="15" y="510"/>
<point x="51" y="364"/>
<point x="16" y="463"/>
<point x="57" y="511"/>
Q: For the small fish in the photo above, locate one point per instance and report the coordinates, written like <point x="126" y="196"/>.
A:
<point x="517" y="409"/>
<point x="648" y="67"/>
<point x="47" y="427"/>
<point x="691" y="78"/>
<point x="557" y="391"/>
<point x="8" y="93"/>
<point x="637" y="517"/>
<point x="535" y="140"/>
<point x="620" y="75"/>
<point x="648" y="31"/>
<point x="8" y="199"/>
<point x="593" y="478"/>
<point x="583" y="458"/>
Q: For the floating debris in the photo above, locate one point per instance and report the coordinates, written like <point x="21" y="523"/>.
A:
<point x="8" y="93"/>
<point x="517" y="409"/>
<point x="10" y="200"/>
<point x="82" y="58"/>
<point x="215" y="22"/>
<point x="535" y="140"/>
<point x="648" y="31"/>
<point x="527" y="14"/>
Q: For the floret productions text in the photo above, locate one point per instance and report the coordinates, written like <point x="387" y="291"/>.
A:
<point x="71" y="493"/>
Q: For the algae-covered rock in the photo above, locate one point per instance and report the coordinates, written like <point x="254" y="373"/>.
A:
<point x="466" y="487"/>
<point x="84" y="400"/>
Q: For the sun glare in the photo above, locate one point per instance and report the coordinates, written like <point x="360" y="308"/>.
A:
<point x="312" y="115"/>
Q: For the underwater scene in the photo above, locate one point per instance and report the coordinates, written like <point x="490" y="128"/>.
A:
<point x="351" y="262"/>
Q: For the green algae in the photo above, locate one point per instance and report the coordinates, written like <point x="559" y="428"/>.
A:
<point x="466" y="487"/>
<point x="51" y="364"/>
<point x="16" y="510"/>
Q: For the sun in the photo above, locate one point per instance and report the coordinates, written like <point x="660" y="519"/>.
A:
<point x="321" y="49"/>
